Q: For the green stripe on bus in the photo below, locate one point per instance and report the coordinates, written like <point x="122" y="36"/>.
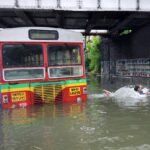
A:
<point x="24" y="85"/>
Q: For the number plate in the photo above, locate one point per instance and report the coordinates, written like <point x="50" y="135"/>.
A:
<point x="75" y="91"/>
<point x="18" y="96"/>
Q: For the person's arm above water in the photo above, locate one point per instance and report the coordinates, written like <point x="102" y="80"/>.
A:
<point x="107" y="93"/>
<point x="148" y="93"/>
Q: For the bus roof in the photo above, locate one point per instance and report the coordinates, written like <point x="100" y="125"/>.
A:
<point x="21" y="34"/>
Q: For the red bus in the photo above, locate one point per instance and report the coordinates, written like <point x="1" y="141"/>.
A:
<point x="41" y="65"/>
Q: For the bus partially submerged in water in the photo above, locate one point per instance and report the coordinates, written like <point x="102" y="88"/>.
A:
<point x="41" y="65"/>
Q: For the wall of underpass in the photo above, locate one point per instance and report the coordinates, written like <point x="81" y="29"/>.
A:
<point x="127" y="55"/>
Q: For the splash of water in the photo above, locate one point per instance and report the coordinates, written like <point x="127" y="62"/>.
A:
<point x="127" y="92"/>
<point x="96" y="96"/>
<point x="125" y="96"/>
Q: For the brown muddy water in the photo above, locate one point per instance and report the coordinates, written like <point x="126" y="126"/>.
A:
<point x="100" y="124"/>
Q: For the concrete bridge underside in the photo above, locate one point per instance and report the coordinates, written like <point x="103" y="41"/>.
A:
<point x="112" y="15"/>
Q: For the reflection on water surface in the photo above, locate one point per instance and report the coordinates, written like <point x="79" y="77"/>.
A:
<point x="99" y="124"/>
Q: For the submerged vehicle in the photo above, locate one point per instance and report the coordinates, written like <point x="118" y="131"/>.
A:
<point x="41" y="65"/>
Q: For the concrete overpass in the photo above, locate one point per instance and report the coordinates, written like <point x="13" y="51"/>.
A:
<point x="112" y="15"/>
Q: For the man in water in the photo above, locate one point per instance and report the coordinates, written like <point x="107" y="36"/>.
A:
<point x="139" y="88"/>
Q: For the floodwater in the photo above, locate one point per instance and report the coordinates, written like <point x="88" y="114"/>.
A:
<point x="100" y="124"/>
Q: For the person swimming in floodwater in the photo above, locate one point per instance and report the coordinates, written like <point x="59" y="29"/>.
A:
<point x="138" y="88"/>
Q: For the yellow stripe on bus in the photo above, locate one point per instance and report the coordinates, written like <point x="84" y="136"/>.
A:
<point x="16" y="89"/>
<point x="77" y="84"/>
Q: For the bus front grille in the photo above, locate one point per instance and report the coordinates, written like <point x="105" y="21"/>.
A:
<point x="48" y="94"/>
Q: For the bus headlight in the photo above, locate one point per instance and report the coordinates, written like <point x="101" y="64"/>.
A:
<point x="5" y="99"/>
<point x="84" y="90"/>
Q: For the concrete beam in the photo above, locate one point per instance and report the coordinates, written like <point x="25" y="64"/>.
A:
<point x="25" y="17"/>
<point x="2" y="25"/>
<point x="60" y="19"/>
<point x="121" y="25"/>
<point x="91" y="23"/>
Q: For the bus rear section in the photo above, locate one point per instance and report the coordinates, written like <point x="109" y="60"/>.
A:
<point x="38" y="71"/>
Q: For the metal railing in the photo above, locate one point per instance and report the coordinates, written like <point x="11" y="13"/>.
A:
<point x="127" y="67"/>
<point x="140" y="5"/>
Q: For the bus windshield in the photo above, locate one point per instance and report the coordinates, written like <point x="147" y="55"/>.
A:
<point x="22" y="62"/>
<point x="22" y="55"/>
<point x="63" y="55"/>
<point x="64" y="61"/>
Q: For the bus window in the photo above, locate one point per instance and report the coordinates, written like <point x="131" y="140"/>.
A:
<point x="28" y="58"/>
<point x="63" y="55"/>
<point x="67" y="71"/>
<point x="22" y="55"/>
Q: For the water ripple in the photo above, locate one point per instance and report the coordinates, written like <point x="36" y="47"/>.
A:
<point x="88" y="130"/>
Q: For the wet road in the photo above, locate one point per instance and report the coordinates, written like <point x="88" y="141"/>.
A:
<point x="99" y="124"/>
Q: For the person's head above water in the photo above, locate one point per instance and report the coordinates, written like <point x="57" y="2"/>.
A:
<point x="138" y="88"/>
